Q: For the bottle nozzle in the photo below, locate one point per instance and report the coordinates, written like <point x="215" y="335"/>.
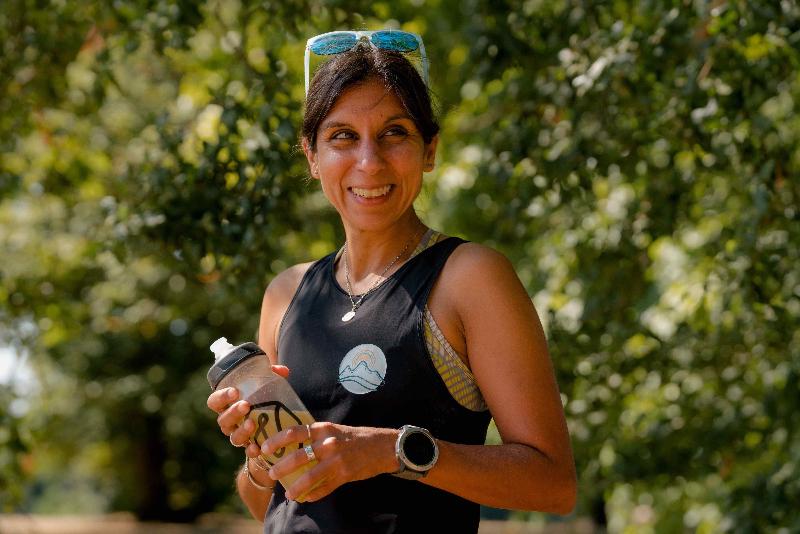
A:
<point x="221" y="348"/>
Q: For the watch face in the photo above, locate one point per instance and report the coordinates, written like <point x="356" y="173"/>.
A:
<point x="418" y="448"/>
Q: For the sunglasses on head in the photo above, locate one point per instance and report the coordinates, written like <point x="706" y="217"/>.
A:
<point x="332" y="43"/>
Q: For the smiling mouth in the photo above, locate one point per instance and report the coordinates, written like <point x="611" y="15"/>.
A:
<point x="371" y="193"/>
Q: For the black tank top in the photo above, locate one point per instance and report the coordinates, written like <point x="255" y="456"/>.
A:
<point x="375" y="371"/>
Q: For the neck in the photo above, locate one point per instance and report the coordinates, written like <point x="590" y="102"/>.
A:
<point x="369" y="252"/>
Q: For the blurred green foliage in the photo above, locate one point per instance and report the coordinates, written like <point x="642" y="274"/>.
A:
<point x="637" y="161"/>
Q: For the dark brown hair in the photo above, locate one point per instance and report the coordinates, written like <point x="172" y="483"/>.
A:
<point x="357" y="66"/>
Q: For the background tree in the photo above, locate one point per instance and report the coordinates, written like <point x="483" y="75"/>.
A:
<point x="637" y="161"/>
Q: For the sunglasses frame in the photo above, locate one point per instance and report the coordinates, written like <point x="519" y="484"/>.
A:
<point x="368" y="35"/>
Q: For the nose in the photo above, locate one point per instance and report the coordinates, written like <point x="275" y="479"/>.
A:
<point x="370" y="158"/>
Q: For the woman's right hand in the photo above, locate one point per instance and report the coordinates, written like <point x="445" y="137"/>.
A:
<point x="231" y="414"/>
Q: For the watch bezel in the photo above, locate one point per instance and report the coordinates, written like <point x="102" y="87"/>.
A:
<point x="406" y="464"/>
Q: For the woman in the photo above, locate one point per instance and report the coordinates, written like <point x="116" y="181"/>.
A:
<point x="404" y="343"/>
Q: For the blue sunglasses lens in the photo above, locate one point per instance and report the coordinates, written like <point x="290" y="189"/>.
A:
<point x="333" y="44"/>
<point x="396" y="41"/>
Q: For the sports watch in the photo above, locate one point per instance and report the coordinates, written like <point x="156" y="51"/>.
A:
<point x="416" y="452"/>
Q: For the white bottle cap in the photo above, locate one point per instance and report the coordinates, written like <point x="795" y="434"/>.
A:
<point x="221" y="348"/>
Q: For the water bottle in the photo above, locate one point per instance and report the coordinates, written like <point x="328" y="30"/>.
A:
<point x="274" y="405"/>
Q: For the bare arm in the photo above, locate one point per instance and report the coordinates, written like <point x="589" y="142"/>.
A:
<point x="256" y="499"/>
<point x="533" y="468"/>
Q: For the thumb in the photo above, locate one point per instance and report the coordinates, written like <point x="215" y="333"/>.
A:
<point x="281" y="370"/>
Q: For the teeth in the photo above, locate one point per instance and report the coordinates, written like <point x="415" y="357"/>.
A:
<point x="371" y="193"/>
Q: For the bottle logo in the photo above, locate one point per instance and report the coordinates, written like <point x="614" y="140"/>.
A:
<point x="362" y="369"/>
<point x="270" y="418"/>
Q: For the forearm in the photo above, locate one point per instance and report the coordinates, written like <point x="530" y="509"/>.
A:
<point x="254" y="498"/>
<point x="513" y="476"/>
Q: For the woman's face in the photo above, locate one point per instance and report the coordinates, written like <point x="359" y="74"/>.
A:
<point x="370" y="157"/>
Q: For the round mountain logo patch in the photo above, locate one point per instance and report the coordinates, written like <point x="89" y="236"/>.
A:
<point x="362" y="369"/>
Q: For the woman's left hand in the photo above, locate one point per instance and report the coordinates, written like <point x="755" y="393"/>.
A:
<point x="344" y="454"/>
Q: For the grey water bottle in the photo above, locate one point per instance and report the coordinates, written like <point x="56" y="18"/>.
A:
<point x="274" y="405"/>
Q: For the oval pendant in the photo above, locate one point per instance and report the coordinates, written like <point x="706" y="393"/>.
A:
<point x="347" y="316"/>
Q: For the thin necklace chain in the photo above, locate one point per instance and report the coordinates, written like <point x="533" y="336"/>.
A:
<point x="378" y="280"/>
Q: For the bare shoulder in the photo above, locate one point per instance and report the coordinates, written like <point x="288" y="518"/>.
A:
<point x="481" y="287"/>
<point x="285" y="283"/>
<point x="277" y="298"/>
<point x="478" y="267"/>
<point x="475" y="256"/>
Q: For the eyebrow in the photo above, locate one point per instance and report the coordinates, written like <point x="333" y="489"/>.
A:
<point x="336" y="124"/>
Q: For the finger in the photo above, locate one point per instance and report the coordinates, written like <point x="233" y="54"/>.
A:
<point x="241" y="435"/>
<point x="221" y="399"/>
<point x="230" y="418"/>
<point x="320" y="489"/>
<point x="287" y="465"/>
<point x="281" y="370"/>
<point x="285" y="438"/>
<point x="310" y="486"/>
<point x="252" y="450"/>
<point x="291" y="463"/>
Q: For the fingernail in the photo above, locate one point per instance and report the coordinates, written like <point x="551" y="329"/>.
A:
<point x="243" y="407"/>
<point x="231" y="393"/>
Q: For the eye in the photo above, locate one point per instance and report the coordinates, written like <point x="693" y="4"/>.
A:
<point x="396" y="131"/>
<point x="342" y="135"/>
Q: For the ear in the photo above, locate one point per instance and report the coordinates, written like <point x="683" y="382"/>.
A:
<point x="429" y="157"/>
<point x="311" y="156"/>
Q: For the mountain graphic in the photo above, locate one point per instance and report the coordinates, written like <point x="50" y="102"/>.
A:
<point x="367" y="386"/>
<point x="362" y="375"/>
